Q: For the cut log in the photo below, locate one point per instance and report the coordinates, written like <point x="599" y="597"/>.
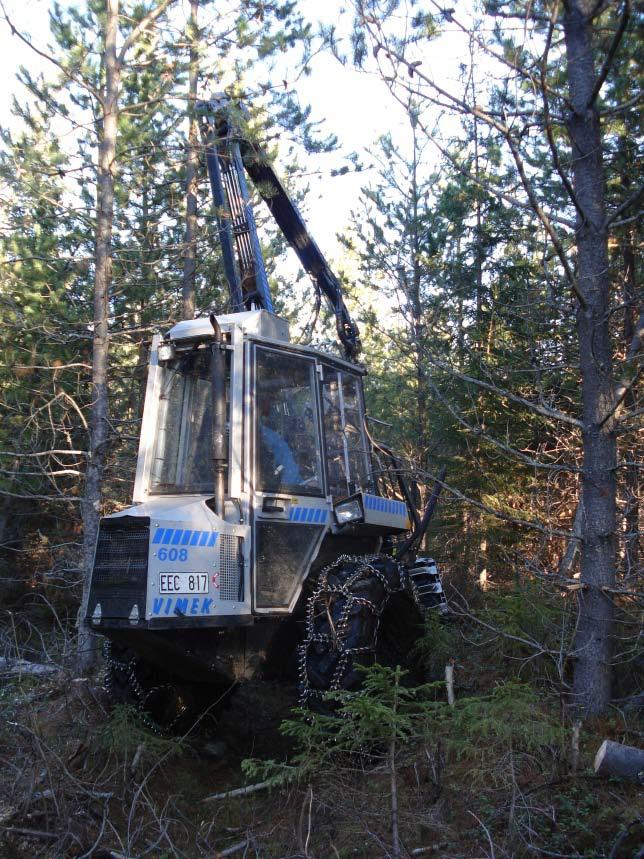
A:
<point x="618" y="761"/>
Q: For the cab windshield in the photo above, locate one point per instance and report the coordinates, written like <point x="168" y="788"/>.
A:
<point x="182" y="461"/>
<point x="289" y="457"/>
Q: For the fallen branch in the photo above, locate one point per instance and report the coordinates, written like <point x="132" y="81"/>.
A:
<point x="240" y="791"/>
<point x="32" y="833"/>
<point x="234" y="848"/>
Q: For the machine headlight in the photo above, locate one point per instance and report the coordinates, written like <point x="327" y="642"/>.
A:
<point x="349" y="510"/>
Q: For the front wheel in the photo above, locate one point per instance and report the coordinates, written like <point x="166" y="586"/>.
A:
<point x="165" y="705"/>
<point x="347" y="623"/>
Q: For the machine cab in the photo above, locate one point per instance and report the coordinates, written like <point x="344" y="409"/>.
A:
<point x="299" y="486"/>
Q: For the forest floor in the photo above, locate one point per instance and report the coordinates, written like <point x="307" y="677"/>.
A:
<point x="492" y="777"/>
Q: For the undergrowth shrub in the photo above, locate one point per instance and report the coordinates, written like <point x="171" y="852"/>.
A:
<point x="513" y="716"/>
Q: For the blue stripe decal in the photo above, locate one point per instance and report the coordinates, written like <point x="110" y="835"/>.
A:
<point x="185" y="537"/>
<point x="315" y="515"/>
<point x="389" y="506"/>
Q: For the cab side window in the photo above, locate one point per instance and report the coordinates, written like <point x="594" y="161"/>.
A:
<point x="348" y="463"/>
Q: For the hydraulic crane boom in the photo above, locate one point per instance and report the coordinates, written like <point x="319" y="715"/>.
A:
<point x="228" y="153"/>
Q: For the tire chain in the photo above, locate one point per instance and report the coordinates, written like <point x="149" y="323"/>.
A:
<point x="366" y="566"/>
<point x="141" y="696"/>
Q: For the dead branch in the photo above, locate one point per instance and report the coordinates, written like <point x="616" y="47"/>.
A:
<point x="240" y="791"/>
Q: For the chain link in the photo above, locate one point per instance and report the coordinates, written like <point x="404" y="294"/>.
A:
<point x="358" y="567"/>
<point x="137" y="695"/>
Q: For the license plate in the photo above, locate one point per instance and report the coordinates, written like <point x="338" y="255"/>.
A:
<point x="183" y="583"/>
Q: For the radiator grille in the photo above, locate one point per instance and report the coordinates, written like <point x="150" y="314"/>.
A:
<point x="120" y="574"/>
<point x="229" y="569"/>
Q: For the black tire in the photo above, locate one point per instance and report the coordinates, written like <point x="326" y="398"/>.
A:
<point x="167" y="707"/>
<point x="344" y="624"/>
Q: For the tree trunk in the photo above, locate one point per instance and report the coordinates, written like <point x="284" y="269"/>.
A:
<point x="192" y="168"/>
<point x="592" y="674"/>
<point x="632" y="475"/>
<point x="99" y="427"/>
<point x="415" y="300"/>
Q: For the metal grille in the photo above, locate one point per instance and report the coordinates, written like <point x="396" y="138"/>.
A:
<point x="121" y="561"/>
<point x="120" y="574"/>
<point x="229" y="568"/>
<point x="283" y="551"/>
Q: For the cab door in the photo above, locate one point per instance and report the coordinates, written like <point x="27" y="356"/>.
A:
<point x="347" y="449"/>
<point x="290" y="507"/>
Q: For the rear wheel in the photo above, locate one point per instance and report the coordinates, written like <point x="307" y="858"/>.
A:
<point x="349" y="624"/>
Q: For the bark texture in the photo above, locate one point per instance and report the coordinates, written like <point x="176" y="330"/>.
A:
<point x="592" y="674"/>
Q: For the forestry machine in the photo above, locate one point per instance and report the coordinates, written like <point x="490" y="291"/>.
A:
<point x="267" y="528"/>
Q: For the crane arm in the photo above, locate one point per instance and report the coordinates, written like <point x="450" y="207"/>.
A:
<point x="228" y="153"/>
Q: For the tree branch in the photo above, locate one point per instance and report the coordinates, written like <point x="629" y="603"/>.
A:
<point x="544" y="411"/>
<point x="614" y="45"/>
<point x="143" y="24"/>
<point x="630" y="201"/>
<point x="498" y="514"/>
<point x="545" y="220"/>
<point x="626" y="384"/>
<point x="16" y="32"/>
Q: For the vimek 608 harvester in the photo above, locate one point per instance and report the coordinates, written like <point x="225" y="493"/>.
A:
<point x="259" y="497"/>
